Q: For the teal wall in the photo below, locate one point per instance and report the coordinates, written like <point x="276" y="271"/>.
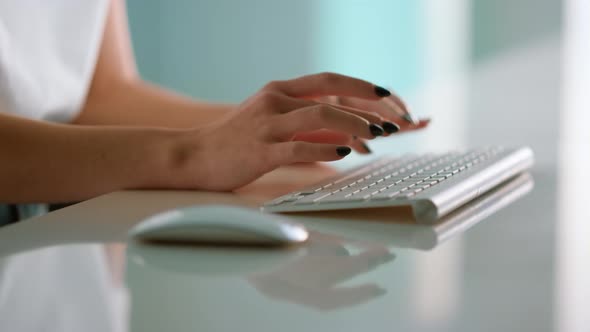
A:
<point x="501" y="25"/>
<point x="226" y="49"/>
<point x="378" y="40"/>
<point x="221" y="49"/>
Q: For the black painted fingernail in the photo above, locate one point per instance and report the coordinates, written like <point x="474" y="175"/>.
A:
<point x="376" y="130"/>
<point x="362" y="144"/>
<point x="343" y="151"/>
<point x="365" y="147"/>
<point x="382" y="92"/>
<point x="390" y="127"/>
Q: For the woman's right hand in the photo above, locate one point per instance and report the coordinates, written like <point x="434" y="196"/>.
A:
<point x="258" y="136"/>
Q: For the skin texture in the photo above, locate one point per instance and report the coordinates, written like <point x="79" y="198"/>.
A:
<point x="132" y="134"/>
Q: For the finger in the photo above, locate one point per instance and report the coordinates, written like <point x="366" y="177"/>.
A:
<point x="370" y="116"/>
<point x="391" y="104"/>
<point x="284" y="104"/>
<point x="399" y="109"/>
<point x="328" y="84"/>
<point x="360" y="146"/>
<point x="332" y="137"/>
<point x="379" y="107"/>
<point x="398" y="101"/>
<point x="276" y="102"/>
<point x="294" y="152"/>
<point x="324" y="136"/>
<point x="422" y="123"/>
<point x="280" y="103"/>
<point x="323" y="116"/>
<point x="388" y="126"/>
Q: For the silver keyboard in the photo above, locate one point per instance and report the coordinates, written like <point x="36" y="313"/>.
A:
<point x="432" y="184"/>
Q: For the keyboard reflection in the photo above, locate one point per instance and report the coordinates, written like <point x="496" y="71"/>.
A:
<point x="396" y="227"/>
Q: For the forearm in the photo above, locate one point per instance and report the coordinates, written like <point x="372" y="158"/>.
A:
<point x="138" y="103"/>
<point x="44" y="162"/>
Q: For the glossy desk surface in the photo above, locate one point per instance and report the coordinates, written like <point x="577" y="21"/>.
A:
<point x="73" y="270"/>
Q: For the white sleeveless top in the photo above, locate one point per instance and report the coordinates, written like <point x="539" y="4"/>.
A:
<point x="48" y="51"/>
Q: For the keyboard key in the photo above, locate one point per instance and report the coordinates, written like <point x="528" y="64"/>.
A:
<point x="385" y="195"/>
<point x="304" y="192"/>
<point x="340" y="197"/>
<point x="276" y="201"/>
<point x="312" y="198"/>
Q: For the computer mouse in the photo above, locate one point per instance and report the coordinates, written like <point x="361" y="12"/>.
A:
<point x="219" y="225"/>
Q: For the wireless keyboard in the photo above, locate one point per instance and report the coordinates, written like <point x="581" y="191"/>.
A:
<point x="432" y="184"/>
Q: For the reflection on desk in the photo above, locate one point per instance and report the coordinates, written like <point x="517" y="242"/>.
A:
<point x="66" y="288"/>
<point x="308" y="275"/>
<point x="346" y="272"/>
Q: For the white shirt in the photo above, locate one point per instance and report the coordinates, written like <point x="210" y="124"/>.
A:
<point x="48" y="51"/>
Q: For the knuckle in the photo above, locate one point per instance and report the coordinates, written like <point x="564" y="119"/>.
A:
<point x="265" y="129"/>
<point x="269" y="99"/>
<point x="272" y="86"/>
<point x="324" y="113"/>
<point x="268" y="159"/>
<point x="329" y="77"/>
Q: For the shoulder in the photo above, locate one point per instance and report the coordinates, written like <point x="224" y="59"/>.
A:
<point x="47" y="54"/>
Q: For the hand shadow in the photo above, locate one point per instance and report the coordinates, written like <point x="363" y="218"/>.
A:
<point x="309" y="275"/>
<point x="314" y="280"/>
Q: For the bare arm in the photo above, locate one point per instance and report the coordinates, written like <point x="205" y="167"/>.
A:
<point x="44" y="162"/>
<point x="118" y="96"/>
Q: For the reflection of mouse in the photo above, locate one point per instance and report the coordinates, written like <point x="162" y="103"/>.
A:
<point x="219" y="224"/>
<point x="229" y="261"/>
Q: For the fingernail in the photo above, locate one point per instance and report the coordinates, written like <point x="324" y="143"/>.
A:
<point x="343" y="151"/>
<point x="362" y="144"/>
<point x="408" y="118"/>
<point x="376" y="130"/>
<point x="365" y="147"/>
<point x="382" y="92"/>
<point x="390" y="127"/>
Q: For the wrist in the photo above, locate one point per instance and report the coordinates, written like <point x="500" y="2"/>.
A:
<point x="170" y="159"/>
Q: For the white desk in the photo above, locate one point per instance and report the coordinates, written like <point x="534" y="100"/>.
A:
<point x="497" y="276"/>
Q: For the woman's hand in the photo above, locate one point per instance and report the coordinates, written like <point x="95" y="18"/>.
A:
<point x="259" y="136"/>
